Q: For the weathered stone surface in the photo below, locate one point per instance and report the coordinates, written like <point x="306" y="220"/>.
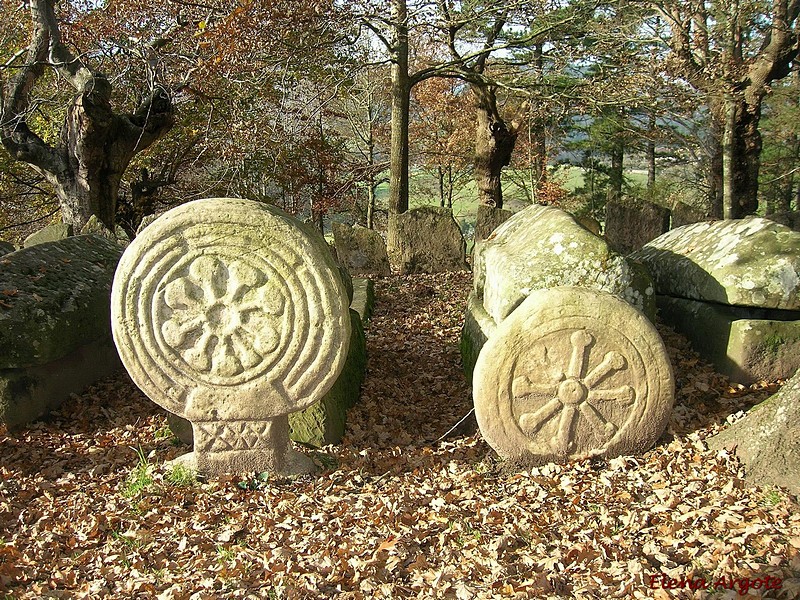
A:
<point x="747" y="262"/>
<point x="684" y="214"/>
<point x="363" y="300"/>
<point x="478" y="327"/>
<point x="747" y="345"/>
<point x="767" y="439"/>
<point x="489" y="218"/>
<point x="429" y="241"/>
<point x="360" y="250"/>
<point x="50" y="233"/>
<point x="55" y="332"/>
<point x="95" y="226"/>
<point x="543" y="247"/>
<point x="232" y="314"/>
<point x="56" y="299"/>
<point x="790" y="218"/>
<point x="589" y="223"/>
<point x="6" y="248"/>
<point x="322" y="423"/>
<point x="572" y="373"/>
<point x="146" y="220"/>
<point x="630" y="225"/>
<point x="28" y="393"/>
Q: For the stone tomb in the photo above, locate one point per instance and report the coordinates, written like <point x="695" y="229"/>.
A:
<point x="429" y="241"/>
<point x="630" y="224"/>
<point x="732" y="288"/>
<point x="361" y="250"/>
<point x="55" y="333"/>
<point x="538" y="248"/>
<point x="232" y="314"/>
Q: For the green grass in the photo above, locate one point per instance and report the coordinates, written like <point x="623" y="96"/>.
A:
<point x="141" y="478"/>
<point x="423" y="190"/>
<point x="181" y="476"/>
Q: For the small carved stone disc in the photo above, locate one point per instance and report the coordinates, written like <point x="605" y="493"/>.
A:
<point x="230" y="310"/>
<point x="572" y="373"/>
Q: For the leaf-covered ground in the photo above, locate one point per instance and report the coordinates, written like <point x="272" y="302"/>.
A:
<point x="404" y="508"/>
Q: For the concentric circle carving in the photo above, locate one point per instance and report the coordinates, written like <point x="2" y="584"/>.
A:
<point x="230" y="309"/>
<point x="572" y="373"/>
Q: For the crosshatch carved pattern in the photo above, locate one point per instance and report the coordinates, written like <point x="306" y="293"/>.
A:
<point x="225" y="436"/>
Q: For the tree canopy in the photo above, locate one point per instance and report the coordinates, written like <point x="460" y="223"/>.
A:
<point x="121" y="107"/>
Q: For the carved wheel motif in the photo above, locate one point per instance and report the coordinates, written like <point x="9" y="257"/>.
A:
<point x="226" y="309"/>
<point x="566" y="379"/>
<point x="222" y="317"/>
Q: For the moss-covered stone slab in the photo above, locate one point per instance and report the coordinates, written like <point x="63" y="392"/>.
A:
<point x="363" y="301"/>
<point x="95" y="226"/>
<point x="54" y="298"/>
<point x="767" y="439"/>
<point x="743" y="262"/>
<point x="361" y="250"/>
<point x="31" y="392"/>
<point x="324" y="422"/>
<point x="232" y="314"/>
<point x="50" y="233"/>
<point x="745" y="345"/>
<point x="543" y="247"/>
<point x="429" y="241"/>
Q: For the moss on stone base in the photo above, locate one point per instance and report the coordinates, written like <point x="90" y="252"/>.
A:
<point x="323" y="423"/>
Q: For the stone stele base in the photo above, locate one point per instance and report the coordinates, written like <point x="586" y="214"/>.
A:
<point x="245" y="446"/>
<point x="745" y="344"/>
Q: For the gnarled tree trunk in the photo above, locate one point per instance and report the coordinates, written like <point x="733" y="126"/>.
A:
<point x="96" y="144"/>
<point x="494" y="145"/>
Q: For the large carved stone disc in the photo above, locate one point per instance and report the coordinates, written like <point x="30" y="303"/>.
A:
<point x="230" y="310"/>
<point x="572" y="373"/>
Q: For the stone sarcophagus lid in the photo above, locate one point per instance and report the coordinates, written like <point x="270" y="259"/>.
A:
<point x="232" y="314"/>
<point x="566" y="363"/>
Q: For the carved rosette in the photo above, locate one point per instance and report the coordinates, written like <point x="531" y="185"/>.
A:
<point x="230" y="310"/>
<point x="572" y="373"/>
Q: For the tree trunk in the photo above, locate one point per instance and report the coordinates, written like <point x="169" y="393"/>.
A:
<point x="741" y="157"/>
<point x="440" y="172"/>
<point x="371" y="202"/>
<point x="450" y="184"/>
<point x="96" y="144"/>
<point x="650" y="151"/>
<point x="401" y="102"/>
<point x="95" y="149"/>
<point x="715" y="174"/>
<point x="728" y="161"/>
<point x="616" y="177"/>
<point x="748" y="159"/>
<point x="494" y="144"/>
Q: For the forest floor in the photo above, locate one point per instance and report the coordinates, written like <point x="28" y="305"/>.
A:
<point x="402" y="508"/>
